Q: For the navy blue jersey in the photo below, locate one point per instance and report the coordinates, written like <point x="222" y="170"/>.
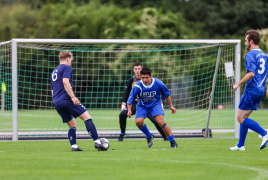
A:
<point x="57" y="75"/>
<point x="149" y="95"/>
<point x="257" y="62"/>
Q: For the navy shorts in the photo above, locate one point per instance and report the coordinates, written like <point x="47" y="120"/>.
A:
<point x="142" y="111"/>
<point x="67" y="110"/>
<point x="249" y="101"/>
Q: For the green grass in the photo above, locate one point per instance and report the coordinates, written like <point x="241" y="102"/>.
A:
<point x="49" y="120"/>
<point x="132" y="159"/>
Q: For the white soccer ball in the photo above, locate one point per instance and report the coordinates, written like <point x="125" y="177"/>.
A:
<point x="105" y="142"/>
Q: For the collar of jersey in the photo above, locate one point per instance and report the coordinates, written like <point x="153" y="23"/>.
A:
<point x="150" y="85"/>
<point x="257" y="49"/>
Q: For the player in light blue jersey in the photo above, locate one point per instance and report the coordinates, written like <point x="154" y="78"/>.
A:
<point x="256" y="62"/>
<point x="67" y="105"/>
<point x="149" y="91"/>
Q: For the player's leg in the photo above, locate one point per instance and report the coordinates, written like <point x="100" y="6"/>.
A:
<point x="62" y="109"/>
<point x="139" y="120"/>
<point x="142" y="126"/>
<point x="160" y="120"/>
<point x="92" y="131"/>
<point x="123" y="123"/>
<point x="241" y="115"/>
<point x="160" y="130"/>
<point x="254" y="126"/>
<point x="72" y="134"/>
<point x="248" y="103"/>
<point x="158" y="113"/>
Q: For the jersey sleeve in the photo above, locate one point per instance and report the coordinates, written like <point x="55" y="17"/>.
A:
<point x="251" y="64"/>
<point x="133" y="94"/>
<point x="67" y="72"/>
<point x="51" y="82"/>
<point x="164" y="90"/>
<point x="127" y="90"/>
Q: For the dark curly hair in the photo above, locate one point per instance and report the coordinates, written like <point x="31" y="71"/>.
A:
<point x="253" y="35"/>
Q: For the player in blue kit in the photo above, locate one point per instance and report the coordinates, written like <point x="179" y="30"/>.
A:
<point x="256" y="62"/>
<point x="149" y="91"/>
<point x="67" y="105"/>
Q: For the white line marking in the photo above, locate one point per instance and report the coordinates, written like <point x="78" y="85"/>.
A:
<point x="263" y="173"/>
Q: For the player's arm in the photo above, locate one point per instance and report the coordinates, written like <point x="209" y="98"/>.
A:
<point x="133" y="94"/>
<point x="246" y="78"/>
<point x="166" y="94"/>
<point x="68" y="89"/>
<point x="251" y="66"/>
<point x="52" y="92"/>
<point x="126" y="93"/>
<point x="173" y="109"/>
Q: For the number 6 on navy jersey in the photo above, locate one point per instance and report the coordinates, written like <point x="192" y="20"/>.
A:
<point x="54" y="75"/>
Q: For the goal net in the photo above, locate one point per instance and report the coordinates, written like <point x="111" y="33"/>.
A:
<point x="199" y="77"/>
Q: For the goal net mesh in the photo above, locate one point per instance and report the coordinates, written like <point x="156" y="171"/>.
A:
<point x="100" y="73"/>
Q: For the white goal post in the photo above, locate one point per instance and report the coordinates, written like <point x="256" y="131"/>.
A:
<point x="219" y="42"/>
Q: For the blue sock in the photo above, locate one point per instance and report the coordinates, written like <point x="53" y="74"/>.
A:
<point x="242" y="135"/>
<point x="72" y="135"/>
<point x="123" y="133"/>
<point x="91" y="129"/>
<point x="145" y="130"/>
<point x="254" y="126"/>
<point x="171" y="138"/>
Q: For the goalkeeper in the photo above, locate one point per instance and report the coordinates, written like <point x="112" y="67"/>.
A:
<point x="123" y="115"/>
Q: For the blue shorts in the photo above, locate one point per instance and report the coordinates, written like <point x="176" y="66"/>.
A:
<point x="249" y="101"/>
<point x="154" y="111"/>
<point x="67" y="110"/>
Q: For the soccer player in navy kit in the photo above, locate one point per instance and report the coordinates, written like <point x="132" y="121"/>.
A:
<point x="67" y="105"/>
<point x="256" y="62"/>
<point x="149" y="91"/>
<point x="123" y="114"/>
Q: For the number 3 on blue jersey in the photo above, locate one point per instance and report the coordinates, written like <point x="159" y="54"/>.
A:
<point x="262" y="66"/>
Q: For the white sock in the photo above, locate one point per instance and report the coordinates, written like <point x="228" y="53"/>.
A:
<point x="98" y="141"/>
<point x="74" y="146"/>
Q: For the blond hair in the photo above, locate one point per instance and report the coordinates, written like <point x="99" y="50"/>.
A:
<point x="65" y="54"/>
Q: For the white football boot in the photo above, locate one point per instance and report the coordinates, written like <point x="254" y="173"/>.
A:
<point x="264" y="141"/>
<point x="235" y="148"/>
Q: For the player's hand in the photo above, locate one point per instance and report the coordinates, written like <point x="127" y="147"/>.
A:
<point x="173" y="110"/>
<point x="129" y="114"/>
<point x="235" y="87"/>
<point x="76" y="101"/>
<point x="163" y="107"/>
<point x="123" y="106"/>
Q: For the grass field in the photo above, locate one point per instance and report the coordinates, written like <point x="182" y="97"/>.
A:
<point x="131" y="159"/>
<point x="49" y="120"/>
<point x="38" y="121"/>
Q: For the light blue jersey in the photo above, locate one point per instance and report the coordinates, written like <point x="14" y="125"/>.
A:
<point x="257" y="62"/>
<point x="148" y="95"/>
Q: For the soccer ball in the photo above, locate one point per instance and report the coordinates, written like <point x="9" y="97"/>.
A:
<point x="220" y="107"/>
<point x="105" y="142"/>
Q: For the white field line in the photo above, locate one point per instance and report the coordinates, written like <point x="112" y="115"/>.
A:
<point x="262" y="173"/>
